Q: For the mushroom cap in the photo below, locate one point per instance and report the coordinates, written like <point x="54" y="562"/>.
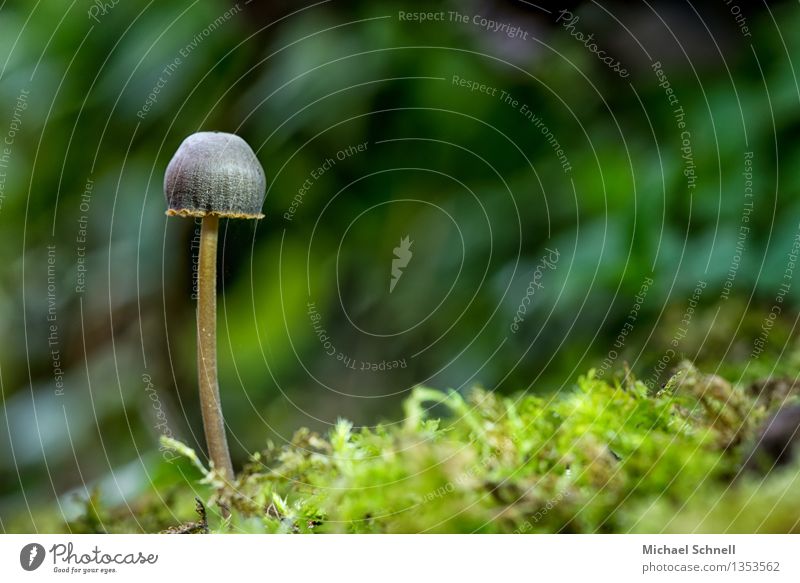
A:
<point x="215" y="173"/>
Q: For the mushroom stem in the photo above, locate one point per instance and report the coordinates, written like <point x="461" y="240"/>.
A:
<point x="210" y="405"/>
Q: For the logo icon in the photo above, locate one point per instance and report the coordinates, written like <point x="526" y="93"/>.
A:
<point x="402" y="255"/>
<point x="31" y="556"/>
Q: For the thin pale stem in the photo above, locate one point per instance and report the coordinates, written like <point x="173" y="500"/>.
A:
<point x="210" y="405"/>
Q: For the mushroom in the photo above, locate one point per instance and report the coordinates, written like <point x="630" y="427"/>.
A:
<point x="213" y="175"/>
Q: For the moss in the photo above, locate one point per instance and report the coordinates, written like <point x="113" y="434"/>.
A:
<point x="609" y="456"/>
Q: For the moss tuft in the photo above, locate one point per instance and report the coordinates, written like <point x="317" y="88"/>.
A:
<point x="609" y="456"/>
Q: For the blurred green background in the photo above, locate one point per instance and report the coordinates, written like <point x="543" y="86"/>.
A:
<point x="368" y="136"/>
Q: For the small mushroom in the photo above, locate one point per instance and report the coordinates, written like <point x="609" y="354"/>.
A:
<point x="213" y="175"/>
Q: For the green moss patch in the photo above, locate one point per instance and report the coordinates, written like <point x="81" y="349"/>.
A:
<point x="607" y="457"/>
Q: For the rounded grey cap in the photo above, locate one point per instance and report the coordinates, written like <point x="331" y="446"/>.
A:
<point x="214" y="173"/>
